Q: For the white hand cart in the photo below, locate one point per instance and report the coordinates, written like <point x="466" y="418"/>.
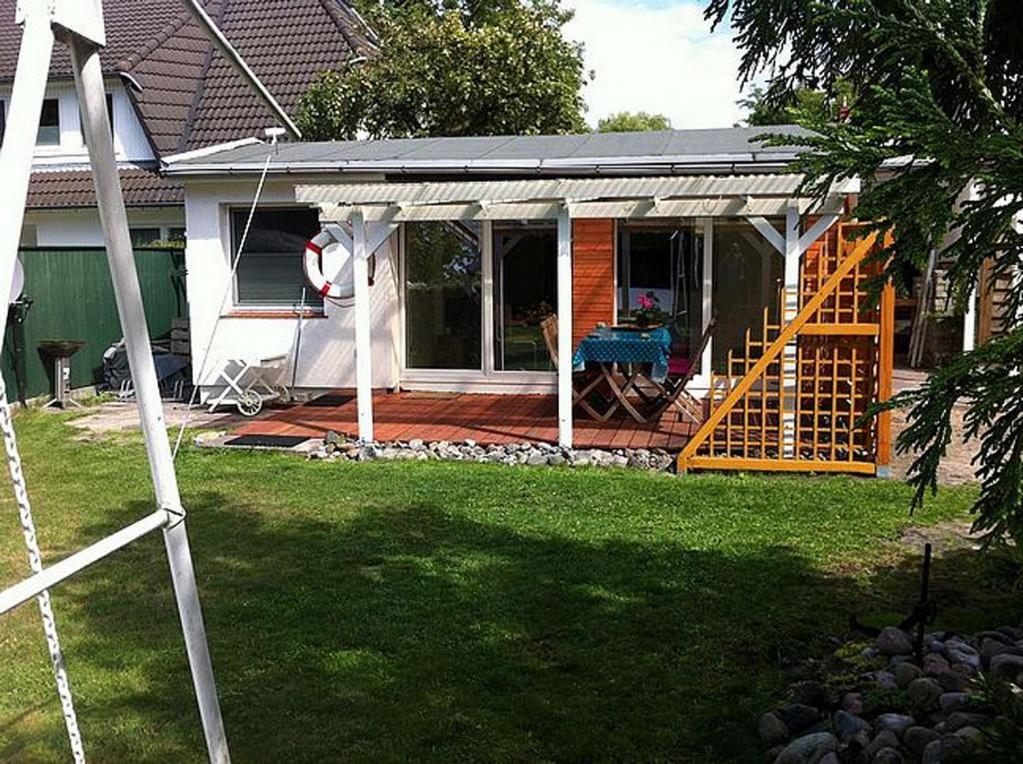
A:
<point x="250" y="382"/>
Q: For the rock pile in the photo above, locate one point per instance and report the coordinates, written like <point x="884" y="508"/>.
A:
<point x="876" y="703"/>
<point x="534" y="454"/>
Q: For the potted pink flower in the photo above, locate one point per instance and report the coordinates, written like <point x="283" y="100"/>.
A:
<point x="648" y="311"/>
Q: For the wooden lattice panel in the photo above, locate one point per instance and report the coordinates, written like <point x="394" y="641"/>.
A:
<point x="765" y="413"/>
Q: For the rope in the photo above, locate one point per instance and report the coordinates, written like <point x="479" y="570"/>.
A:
<point x="223" y="300"/>
<point x="35" y="562"/>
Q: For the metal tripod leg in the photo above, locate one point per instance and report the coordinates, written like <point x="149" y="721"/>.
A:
<point x="15" y="169"/>
<point x="96" y="128"/>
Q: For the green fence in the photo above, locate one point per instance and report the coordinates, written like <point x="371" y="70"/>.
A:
<point x="73" y="299"/>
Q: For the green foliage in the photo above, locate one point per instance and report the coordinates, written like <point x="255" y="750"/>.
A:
<point x="937" y="114"/>
<point x="503" y="69"/>
<point x="883" y="700"/>
<point x="795" y="106"/>
<point x="633" y="122"/>
<point x="1003" y="738"/>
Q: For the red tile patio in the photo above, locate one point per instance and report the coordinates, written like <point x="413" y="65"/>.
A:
<point x="458" y="417"/>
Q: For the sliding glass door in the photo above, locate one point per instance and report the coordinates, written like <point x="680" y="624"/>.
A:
<point x="443" y="296"/>
<point x="525" y="292"/>
<point x="748" y="277"/>
<point x="663" y="260"/>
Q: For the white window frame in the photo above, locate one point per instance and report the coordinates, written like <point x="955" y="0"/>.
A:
<point x="486" y="377"/>
<point x="239" y="307"/>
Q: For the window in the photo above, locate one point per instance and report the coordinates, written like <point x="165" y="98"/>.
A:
<point x="525" y="293"/>
<point x="270" y="268"/>
<point x="667" y="260"/>
<point x="443" y="306"/>
<point x="144" y="237"/>
<point x="49" y="124"/>
<point x="748" y="276"/>
<point x="176" y="235"/>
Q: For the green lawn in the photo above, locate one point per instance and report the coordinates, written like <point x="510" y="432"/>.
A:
<point x="399" y="611"/>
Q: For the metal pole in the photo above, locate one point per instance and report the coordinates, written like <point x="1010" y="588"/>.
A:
<point x="19" y="141"/>
<point x="96" y="127"/>
<point x="19" y="138"/>
<point x="52" y="575"/>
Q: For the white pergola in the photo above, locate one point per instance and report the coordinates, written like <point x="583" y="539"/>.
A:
<point x="375" y="210"/>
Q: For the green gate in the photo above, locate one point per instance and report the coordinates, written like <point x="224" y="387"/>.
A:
<point x="73" y="299"/>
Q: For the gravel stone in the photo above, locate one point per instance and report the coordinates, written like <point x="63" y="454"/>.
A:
<point x="798" y="716"/>
<point x="893" y="641"/>
<point x="809" y="749"/>
<point x="917" y="739"/>
<point x="848" y="725"/>
<point x="924" y="694"/>
<point x="905" y="672"/>
<point x="897" y="723"/>
<point x="771" y="729"/>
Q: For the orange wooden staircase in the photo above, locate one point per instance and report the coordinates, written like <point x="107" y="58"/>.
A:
<point x="795" y="398"/>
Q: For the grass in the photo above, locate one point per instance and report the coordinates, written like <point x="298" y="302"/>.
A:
<point x="399" y="611"/>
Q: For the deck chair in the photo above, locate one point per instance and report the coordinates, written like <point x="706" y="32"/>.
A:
<point x="680" y="373"/>
<point x="584" y="384"/>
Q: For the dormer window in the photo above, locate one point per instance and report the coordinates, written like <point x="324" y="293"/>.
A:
<point x="49" y="124"/>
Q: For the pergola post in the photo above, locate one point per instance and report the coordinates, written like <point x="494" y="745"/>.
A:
<point x="791" y="246"/>
<point x="564" y="327"/>
<point x="363" y="333"/>
<point x="791" y="309"/>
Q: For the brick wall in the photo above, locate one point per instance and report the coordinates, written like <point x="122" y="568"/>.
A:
<point x="593" y="275"/>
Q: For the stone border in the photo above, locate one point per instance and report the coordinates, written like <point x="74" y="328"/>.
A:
<point x="336" y="447"/>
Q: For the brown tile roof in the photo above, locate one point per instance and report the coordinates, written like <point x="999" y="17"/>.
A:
<point x="129" y="24"/>
<point x="188" y="96"/>
<point x="287" y="43"/>
<point x="73" y="188"/>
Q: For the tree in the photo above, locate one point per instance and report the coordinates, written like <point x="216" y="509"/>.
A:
<point x="938" y="112"/>
<point x="795" y="105"/>
<point x="633" y="122"/>
<point x="496" y="68"/>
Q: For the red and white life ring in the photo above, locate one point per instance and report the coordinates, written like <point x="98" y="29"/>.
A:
<point x="312" y="263"/>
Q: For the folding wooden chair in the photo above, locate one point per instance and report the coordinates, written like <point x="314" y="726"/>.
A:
<point x="584" y="384"/>
<point x="673" y="389"/>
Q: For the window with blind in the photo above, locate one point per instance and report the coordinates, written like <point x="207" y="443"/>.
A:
<point x="270" y="271"/>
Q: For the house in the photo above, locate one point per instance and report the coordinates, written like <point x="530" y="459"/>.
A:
<point x="169" y="92"/>
<point x="477" y="239"/>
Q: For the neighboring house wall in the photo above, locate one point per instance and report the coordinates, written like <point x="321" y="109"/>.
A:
<point x="327" y="353"/>
<point x="130" y="141"/>
<point x="81" y="228"/>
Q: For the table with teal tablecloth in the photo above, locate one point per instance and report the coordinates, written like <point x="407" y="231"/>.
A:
<point x="606" y="345"/>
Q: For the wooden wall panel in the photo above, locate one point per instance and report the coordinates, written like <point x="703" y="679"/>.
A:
<point x="593" y="275"/>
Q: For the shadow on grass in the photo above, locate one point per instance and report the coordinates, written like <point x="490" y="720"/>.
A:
<point x="414" y="633"/>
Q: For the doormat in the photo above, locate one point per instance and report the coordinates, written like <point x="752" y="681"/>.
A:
<point x="266" y="441"/>
<point x="329" y="401"/>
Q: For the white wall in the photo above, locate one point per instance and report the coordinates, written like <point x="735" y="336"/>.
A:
<point x="130" y="143"/>
<point x="81" y="228"/>
<point x="327" y="354"/>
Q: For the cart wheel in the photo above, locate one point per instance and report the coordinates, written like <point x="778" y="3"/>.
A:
<point x="249" y="403"/>
<point x="282" y="392"/>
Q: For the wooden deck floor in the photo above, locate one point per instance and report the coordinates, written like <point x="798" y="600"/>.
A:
<point x="458" y="417"/>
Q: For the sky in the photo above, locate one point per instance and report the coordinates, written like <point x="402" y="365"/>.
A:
<point x="657" y="56"/>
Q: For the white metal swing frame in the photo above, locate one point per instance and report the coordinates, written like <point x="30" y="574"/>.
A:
<point x="78" y="24"/>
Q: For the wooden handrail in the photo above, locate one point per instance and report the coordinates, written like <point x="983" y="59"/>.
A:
<point x="776" y="347"/>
